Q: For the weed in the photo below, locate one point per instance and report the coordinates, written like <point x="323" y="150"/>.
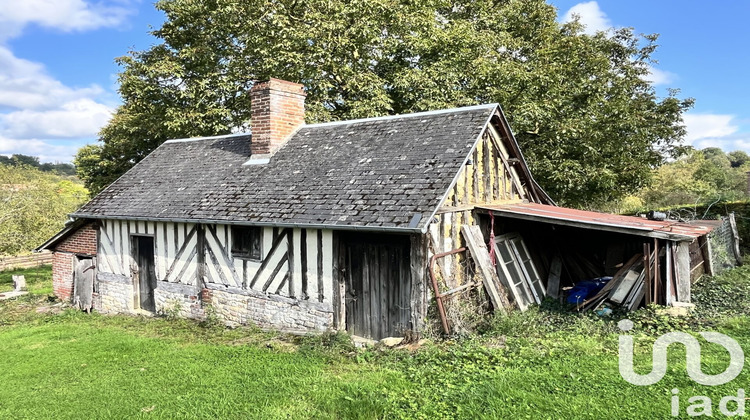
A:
<point x="172" y="310"/>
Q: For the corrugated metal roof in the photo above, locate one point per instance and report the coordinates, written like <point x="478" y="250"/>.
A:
<point x="667" y="229"/>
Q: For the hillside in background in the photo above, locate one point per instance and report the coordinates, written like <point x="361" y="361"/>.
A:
<point x="33" y="161"/>
<point x="34" y="205"/>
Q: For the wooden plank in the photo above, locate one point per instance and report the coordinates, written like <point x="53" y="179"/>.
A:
<point x="683" y="272"/>
<point x="475" y="243"/>
<point x="705" y="246"/>
<point x="200" y="248"/>
<point x="302" y="292"/>
<point x="553" y="280"/>
<point x="670" y="293"/>
<point x="276" y="244"/>
<point x="275" y="271"/>
<point x="736" y="239"/>
<point x="413" y="285"/>
<point x="624" y="287"/>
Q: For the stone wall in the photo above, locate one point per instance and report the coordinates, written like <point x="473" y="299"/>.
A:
<point x="238" y="306"/>
<point x="113" y="294"/>
<point x="176" y="299"/>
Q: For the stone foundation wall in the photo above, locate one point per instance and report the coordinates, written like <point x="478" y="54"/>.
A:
<point x="239" y="306"/>
<point x="177" y="299"/>
<point x="234" y="306"/>
<point x="114" y="294"/>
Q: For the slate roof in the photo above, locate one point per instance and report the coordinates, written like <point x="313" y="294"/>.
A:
<point x="380" y="173"/>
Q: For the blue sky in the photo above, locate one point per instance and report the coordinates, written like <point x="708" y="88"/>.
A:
<point x="58" y="76"/>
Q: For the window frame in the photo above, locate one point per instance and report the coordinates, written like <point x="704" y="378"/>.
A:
<point x="253" y="233"/>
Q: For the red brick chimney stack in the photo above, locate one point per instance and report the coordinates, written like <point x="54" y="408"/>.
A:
<point x="277" y="109"/>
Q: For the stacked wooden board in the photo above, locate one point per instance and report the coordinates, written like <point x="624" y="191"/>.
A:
<point x="626" y="289"/>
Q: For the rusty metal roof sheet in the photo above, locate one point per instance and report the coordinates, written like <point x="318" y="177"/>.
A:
<point x="667" y="229"/>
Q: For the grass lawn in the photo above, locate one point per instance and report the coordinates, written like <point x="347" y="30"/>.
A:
<point x="38" y="279"/>
<point x="542" y="364"/>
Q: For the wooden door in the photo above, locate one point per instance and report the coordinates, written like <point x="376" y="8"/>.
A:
<point x="145" y="275"/>
<point x="83" y="283"/>
<point x="378" y="285"/>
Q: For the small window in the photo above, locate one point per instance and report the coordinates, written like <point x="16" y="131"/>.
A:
<point x="246" y="242"/>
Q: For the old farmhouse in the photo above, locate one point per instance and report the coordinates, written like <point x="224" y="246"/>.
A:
<point x="331" y="226"/>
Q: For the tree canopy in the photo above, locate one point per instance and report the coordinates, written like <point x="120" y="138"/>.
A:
<point x="591" y="126"/>
<point x="34" y="205"/>
<point x="33" y="161"/>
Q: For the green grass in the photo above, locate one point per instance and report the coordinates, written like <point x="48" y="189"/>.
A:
<point x="38" y="279"/>
<point x="542" y="364"/>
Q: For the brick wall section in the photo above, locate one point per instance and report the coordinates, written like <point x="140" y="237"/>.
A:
<point x="82" y="242"/>
<point x="277" y="109"/>
<point x="62" y="275"/>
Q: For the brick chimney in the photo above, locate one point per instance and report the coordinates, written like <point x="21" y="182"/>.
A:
<point x="277" y="109"/>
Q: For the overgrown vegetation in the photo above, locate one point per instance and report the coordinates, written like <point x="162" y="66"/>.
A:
<point x="33" y="161"/>
<point x="696" y="179"/>
<point x="34" y="206"/>
<point x="544" y="363"/>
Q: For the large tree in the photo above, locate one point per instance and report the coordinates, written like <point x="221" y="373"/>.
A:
<point x="590" y="124"/>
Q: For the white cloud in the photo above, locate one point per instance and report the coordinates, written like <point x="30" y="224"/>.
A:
<point x="659" y="77"/>
<point x="40" y="115"/>
<point x="47" y="151"/>
<point x="26" y="85"/>
<point x="716" y="130"/>
<point x="708" y="126"/>
<point x="590" y="15"/>
<point x="79" y="118"/>
<point x="64" y="15"/>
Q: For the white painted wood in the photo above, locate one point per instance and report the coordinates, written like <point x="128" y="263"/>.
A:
<point x="312" y="264"/>
<point x="267" y="242"/>
<point x="272" y="263"/>
<point x="227" y="270"/>
<point x="327" y="266"/>
<point x="122" y="243"/>
<point x="160" y="245"/>
<point x="297" y="273"/>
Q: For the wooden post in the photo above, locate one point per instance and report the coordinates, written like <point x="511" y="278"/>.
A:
<point x="553" y="280"/>
<point x="708" y="264"/>
<point x="418" y="299"/>
<point x="200" y="245"/>
<point x="735" y="239"/>
<point x="683" y="272"/>
<point x="475" y="243"/>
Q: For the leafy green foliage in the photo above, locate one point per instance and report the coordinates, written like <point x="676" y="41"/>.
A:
<point x="698" y="177"/>
<point x="591" y="126"/>
<point x="33" y="161"/>
<point x="33" y="206"/>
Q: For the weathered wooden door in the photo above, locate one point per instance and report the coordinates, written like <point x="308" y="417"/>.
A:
<point x="145" y="275"/>
<point x="83" y="283"/>
<point x="378" y="285"/>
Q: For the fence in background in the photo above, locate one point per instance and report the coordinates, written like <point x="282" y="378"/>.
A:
<point x="25" y="261"/>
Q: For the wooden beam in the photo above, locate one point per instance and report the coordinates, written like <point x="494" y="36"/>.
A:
<point x="553" y="280"/>
<point x="683" y="272"/>
<point x="477" y="248"/>
<point x="735" y="239"/>
<point x="418" y="297"/>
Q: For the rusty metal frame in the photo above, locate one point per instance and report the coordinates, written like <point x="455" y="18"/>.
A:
<point x="436" y="289"/>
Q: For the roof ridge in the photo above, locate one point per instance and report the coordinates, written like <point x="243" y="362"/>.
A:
<point x="410" y="115"/>
<point x="220" y="136"/>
